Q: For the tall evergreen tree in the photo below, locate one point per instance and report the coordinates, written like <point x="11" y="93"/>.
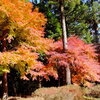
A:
<point x="64" y="39"/>
<point x="94" y="6"/>
<point x="53" y="25"/>
<point x="79" y="18"/>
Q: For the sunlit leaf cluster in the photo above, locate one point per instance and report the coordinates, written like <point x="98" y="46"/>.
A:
<point x="21" y="26"/>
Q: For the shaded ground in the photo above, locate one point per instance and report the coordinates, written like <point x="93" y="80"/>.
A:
<point x="40" y="98"/>
<point x="71" y="92"/>
<point x="28" y="98"/>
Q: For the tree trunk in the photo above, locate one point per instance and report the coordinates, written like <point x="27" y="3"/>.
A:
<point x="63" y="24"/>
<point x="39" y="82"/>
<point x="64" y="39"/>
<point x="68" y="75"/>
<point x="5" y="86"/>
<point x="41" y="1"/>
<point x="4" y="80"/>
<point x="95" y="28"/>
<point x="96" y="36"/>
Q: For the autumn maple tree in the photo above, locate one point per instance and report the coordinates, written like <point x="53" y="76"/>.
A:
<point x="80" y="58"/>
<point x="22" y="39"/>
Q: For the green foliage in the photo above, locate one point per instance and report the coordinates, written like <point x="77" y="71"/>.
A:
<point x="93" y="18"/>
<point x="53" y="26"/>
<point x="78" y="18"/>
<point x="27" y="0"/>
<point x="42" y="57"/>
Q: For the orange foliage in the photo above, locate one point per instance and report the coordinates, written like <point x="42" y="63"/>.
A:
<point x="81" y="58"/>
<point x="26" y="27"/>
<point x="24" y="61"/>
<point x="21" y="13"/>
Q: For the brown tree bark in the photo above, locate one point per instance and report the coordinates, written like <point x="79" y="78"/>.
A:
<point x="95" y="28"/>
<point x="5" y="86"/>
<point x="41" y="1"/>
<point x="63" y="24"/>
<point x="4" y="80"/>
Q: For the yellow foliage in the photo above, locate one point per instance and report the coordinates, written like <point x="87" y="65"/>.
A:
<point x="26" y="26"/>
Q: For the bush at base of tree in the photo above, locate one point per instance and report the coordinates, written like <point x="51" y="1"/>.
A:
<point x="70" y="92"/>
